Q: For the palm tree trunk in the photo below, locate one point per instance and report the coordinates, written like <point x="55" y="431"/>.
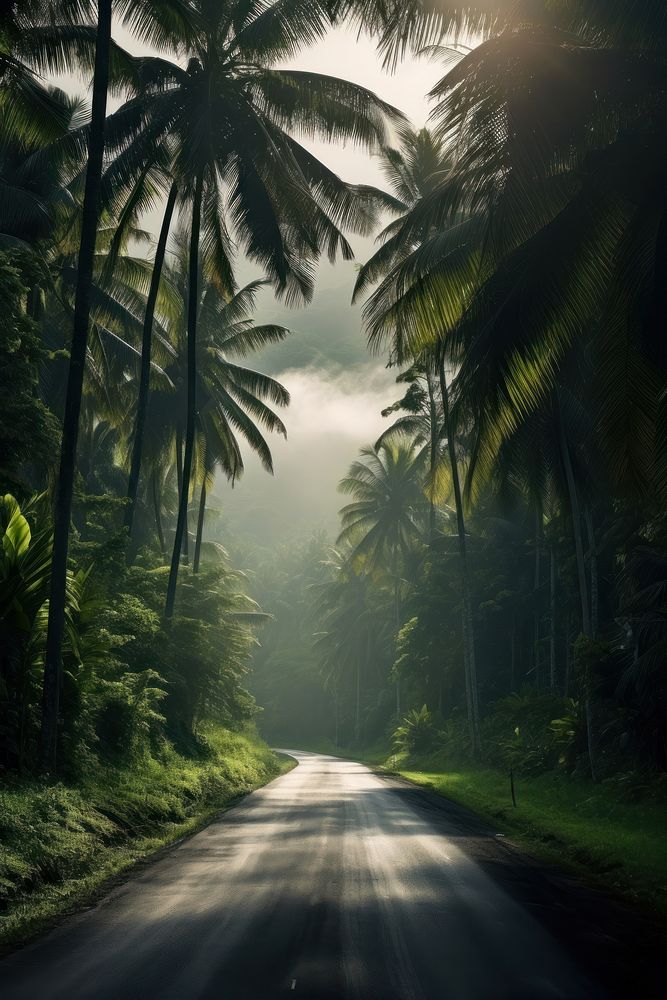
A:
<point x="433" y="455"/>
<point x="593" y="569"/>
<point x="470" y="711"/>
<point x="336" y="715"/>
<point x="568" y="656"/>
<point x="470" y="667"/>
<point x="200" y="526"/>
<point x="575" y="513"/>
<point x="593" y="566"/>
<point x="179" y="461"/>
<point x="536" y="595"/>
<point x="158" y="512"/>
<point x="357" y="706"/>
<point x="34" y="305"/>
<point x="145" y="376"/>
<point x="552" y="620"/>
<point x="179" y="480"/>
<point x="397" y="624"/>
<point x="581" y="576"/>
<point x="77" y="364"/>
<point x="193" y="308"/>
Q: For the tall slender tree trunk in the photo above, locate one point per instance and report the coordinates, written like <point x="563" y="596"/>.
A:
<point x="145" y="376"/>
<point x="179" y="481"/>
<point x="552" y="619"/>
<point x="34" y="305"/>
<point x="158" y="512"/>
<point x="568" y="656"/>
<point x="433" y="448"/>
<point x="357" y="706"/>
<point x="193" y="308"/>
<point x="575" y="513"/>
<point x="336" y="715"/>
<point x="200" y="526"/>
<point x="537" y="663"/>
<point x="179" y="461"/>
<point x="593" y="570"/>
<point x="581" y="577"/>
<point x="77" y="364"/>
<point x="590" y="743"/>
<point x="470" y="711"/>
<point x="470" y="667"/>
<point x="397" y="624"/>
<point x="593" y="567"/>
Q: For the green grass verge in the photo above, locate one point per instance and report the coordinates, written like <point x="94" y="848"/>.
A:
<point x="593" y="829"/>
<point x="60" y="844"/>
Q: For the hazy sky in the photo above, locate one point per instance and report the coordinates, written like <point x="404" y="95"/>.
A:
<point x="337" y="389"/>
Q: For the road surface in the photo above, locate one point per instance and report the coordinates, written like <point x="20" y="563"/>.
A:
<point x="330" y="883"/>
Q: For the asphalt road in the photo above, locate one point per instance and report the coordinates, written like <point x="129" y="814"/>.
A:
<point x="329" y="883"/>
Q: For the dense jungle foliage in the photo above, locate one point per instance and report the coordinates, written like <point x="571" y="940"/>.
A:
<point x="124" y="387"/>
<point x="498" y="588"/>
<point x="499" y="584"/>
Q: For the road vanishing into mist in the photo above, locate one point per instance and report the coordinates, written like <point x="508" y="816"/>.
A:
<point x="330" y="883"/>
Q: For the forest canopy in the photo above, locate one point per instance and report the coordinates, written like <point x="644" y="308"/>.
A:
<point x="498" y="585"/>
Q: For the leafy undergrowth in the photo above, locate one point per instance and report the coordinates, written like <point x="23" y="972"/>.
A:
<point x="604" y="832"/>
<point x="58" y="843"/>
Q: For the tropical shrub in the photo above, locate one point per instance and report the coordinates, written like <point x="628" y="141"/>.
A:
<point x="24" y="589"/>
<point x="569" y="734"/>
<point x="518" y="728"/>
<point x="126" y="681"/>
<point x="417" y="733"/>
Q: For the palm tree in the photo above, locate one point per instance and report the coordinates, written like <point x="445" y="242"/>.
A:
<point x="545" y="167"/>
<point x="385" y="519"/>
<point x="34" y="173"/>
<point x="40" y="214"/>
<point x="232" y="399"/>
<point x="403" y="25"/>
<point x="50" y="53"/>
<point x="38" y="37"/>
<point x="65" y="487"/>
<point x="420" y="423"/>
<point x="557" y="196"/>
<point x="229" y="120"/>
<point x="146" y="352"/>
<point x="415" y="172"/>
<point x="546" y="137"/>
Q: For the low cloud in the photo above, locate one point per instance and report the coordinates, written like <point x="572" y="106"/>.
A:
<point x="346" y="404"/>
<point x="332" y="415"/>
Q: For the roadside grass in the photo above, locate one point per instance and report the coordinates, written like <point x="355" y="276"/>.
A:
<point x="592" y="829"/>
<point x="60" y="844"/>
